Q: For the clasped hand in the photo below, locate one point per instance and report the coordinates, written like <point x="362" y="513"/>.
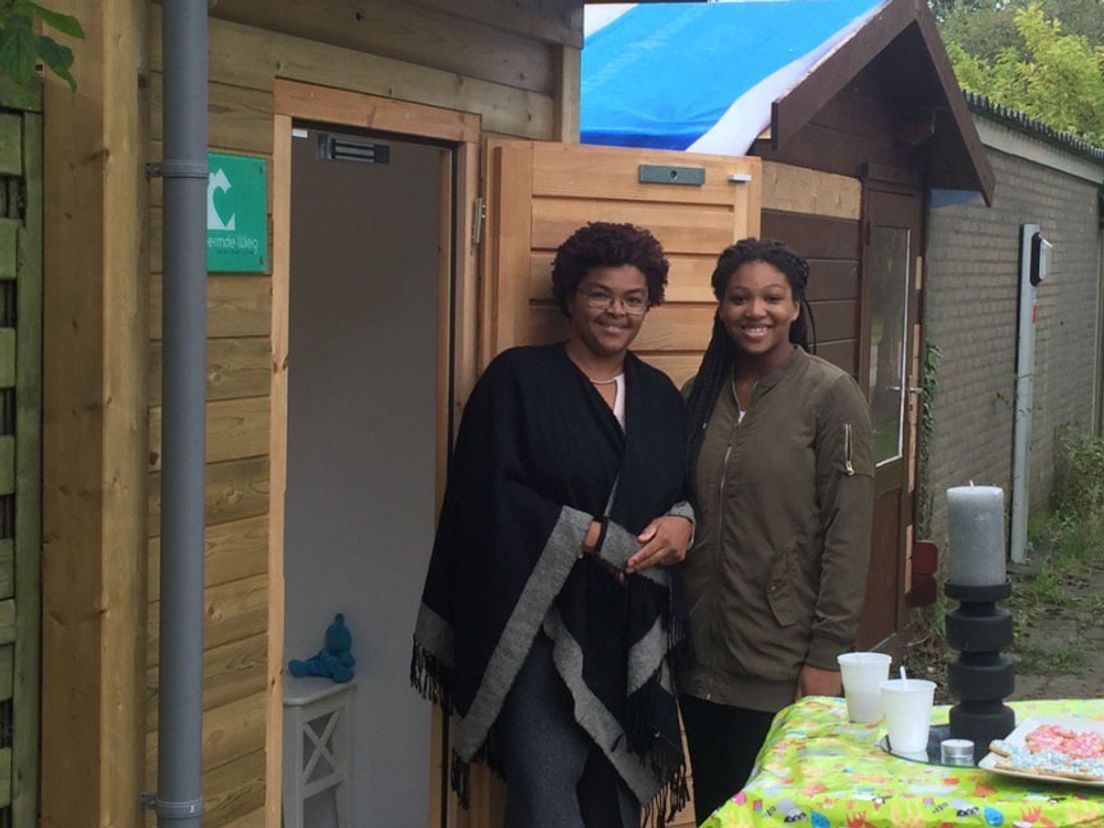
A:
<point x="665" y="541"/>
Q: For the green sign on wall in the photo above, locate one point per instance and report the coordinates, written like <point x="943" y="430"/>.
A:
<point x="237" y="216"/>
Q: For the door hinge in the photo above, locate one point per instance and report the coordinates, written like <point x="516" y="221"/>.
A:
<point x="478" y="220"/>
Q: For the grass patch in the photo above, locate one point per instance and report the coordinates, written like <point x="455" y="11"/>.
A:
<point x="1070" y="552"/>
<point x="1051" y="661"/>
<point x="1071" y="549"/>
<point x="1068" y="540"/>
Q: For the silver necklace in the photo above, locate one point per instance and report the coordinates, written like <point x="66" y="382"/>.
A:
<point x="609" y="381"/>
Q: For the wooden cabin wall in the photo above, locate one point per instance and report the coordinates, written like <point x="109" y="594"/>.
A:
<point x="818" y="214"/>
<point x="857" y="126"/>
<point x="507" y="61"/>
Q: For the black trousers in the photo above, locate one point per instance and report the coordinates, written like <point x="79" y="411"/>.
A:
<point x="723" y="742"/>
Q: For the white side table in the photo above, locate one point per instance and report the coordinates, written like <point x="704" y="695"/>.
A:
<point x="317" y="721"/>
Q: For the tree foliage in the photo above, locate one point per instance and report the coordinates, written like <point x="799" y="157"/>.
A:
<point x="986" y="27"/>
<point x="983" y="32"/>
<point x="21" y="47"/>
<point x="1047" y="72"/>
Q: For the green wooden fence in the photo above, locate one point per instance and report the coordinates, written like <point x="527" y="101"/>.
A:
<point x="20" y="452"/>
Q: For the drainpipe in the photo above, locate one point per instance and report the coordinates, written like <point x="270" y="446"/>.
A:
<point x="179" y="798"/>
<point x="1032" y="271"/>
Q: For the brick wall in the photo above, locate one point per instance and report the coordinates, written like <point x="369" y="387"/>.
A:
<point x="970" y="312"/>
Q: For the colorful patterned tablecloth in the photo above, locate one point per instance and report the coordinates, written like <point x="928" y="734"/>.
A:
<point x="818" y="769"/>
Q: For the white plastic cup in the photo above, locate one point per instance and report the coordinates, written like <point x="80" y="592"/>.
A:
<point x="908" y="706"/>
<point x="862" y="675"/>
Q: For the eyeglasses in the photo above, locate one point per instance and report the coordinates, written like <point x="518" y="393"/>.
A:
<point x="596" y="298"/>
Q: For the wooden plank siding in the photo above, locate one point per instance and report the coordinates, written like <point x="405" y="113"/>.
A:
<point x="857" y="126"/>
<point x="510" y="62"/>
<point x="819" y="214"/>
<point x="402" y="31"/>
<point x="236" y="367"/>
<point x="94" y="426"/>
<point x="251" y="58"/>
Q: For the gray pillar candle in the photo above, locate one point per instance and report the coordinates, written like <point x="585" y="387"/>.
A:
<point x="975" y="519"/>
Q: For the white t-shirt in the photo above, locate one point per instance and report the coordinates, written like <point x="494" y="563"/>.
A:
<point x="619" y="400"/>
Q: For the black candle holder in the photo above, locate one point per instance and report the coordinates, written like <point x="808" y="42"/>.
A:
<point x="980" y="678"/>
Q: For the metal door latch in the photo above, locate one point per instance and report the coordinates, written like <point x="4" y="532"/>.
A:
<point x="665" y="174"/>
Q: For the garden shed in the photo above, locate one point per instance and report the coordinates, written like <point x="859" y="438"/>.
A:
<point x="421" y="162"/>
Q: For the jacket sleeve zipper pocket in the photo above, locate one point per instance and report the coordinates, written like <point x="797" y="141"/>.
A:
<point x="847" y="455"/>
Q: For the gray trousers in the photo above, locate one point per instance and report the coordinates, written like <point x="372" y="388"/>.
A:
<point x="556" y="777"/>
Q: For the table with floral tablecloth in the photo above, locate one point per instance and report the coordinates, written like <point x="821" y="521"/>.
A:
<point x="818" y="769"/>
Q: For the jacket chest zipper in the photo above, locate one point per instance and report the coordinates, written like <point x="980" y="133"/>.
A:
<point x="721" y="493"/>
<point x="724" y="478"/>
<point x="720" y="547"/>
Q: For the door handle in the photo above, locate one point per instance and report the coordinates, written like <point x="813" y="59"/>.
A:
<point x="912" y="389"/>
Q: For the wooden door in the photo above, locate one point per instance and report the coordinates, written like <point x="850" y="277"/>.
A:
<point x="539" y="193"/>
<point x="892" y="239"/>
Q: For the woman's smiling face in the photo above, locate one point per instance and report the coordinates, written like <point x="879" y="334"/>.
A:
<point x="757" y="310"/>
<point x="608" y="308"/>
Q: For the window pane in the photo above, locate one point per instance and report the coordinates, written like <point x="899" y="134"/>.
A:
<point x="888" y="272"/>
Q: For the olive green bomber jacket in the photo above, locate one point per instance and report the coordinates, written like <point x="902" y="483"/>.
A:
<point x="784" y="501"/>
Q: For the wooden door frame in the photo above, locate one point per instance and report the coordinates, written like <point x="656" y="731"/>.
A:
<point x="902" y="185"/>
<point x="456" y="346"/>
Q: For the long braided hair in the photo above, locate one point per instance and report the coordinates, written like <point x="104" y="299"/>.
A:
<point x="717" y="363"/>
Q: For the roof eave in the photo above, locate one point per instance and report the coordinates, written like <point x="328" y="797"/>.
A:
<point x="791" y="112"/>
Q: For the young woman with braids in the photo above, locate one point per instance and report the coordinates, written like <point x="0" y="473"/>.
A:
<point x="779" y="463"/>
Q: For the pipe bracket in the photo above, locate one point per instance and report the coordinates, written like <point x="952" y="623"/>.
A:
<point x="172" y="809"/>
<point x="176" y="169"/>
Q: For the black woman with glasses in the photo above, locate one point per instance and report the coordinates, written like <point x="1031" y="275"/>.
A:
<point x="550" y="615"/>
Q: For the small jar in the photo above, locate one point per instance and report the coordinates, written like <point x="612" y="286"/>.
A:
<point x="957" y="752"/>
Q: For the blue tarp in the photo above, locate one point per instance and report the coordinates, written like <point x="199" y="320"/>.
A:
<point x="665" y="75"/>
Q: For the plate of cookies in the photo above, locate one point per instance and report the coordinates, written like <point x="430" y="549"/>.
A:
<point x="1053" y="748"/>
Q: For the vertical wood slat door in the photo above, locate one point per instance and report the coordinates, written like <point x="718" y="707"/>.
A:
<point x="539" y="193"/>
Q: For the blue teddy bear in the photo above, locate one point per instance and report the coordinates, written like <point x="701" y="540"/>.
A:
<point x="335" y="661"/>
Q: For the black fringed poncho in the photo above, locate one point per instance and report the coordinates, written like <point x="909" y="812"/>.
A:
<point x="538" y="455"/>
